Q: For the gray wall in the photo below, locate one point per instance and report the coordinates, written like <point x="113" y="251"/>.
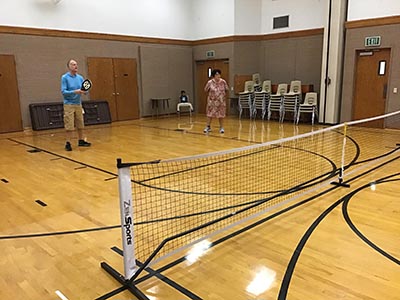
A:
<point x="287" y="59"/>
<point x="246" y="58"/>
<point x="40" y="62"/>
<point x="163" y="69"/>
<point x="279" y="60"/>
<point x="355" y="38"/>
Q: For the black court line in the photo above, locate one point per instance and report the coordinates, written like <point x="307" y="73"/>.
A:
<point x="79" y="168"/>
<point x="199" y="133"/>
<point x="41" y="203"/>
<point x="377" y="157"/>
<point x="214" y="243"/>
<point x="102" y="126"/>
<point x="346" y="216"/>
<point x="163" y="278"/>
<point x="111" y="178"/>
<point x="210" y="164"/>
<point x="182" y="259"/>
<point x="239" y="205"/>
<point x="296" y="254"/>
<point x="43" y="234"/>
<point x="113" y="293"/>
<point x="310" y="181"/>
<point x="57" y="158"/>
<point x="271" y="147"/>
<point x="85" y="230"/>
<point x="262" y="221"/>
<point x="34" y="150"/>
<point x="66" y="158"/>
<point x="61" y="131"/>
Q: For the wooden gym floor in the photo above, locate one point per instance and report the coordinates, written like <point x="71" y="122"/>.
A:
<point x="60" y="214"/>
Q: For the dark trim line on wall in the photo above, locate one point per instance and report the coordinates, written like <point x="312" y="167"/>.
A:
<point x="256" y="38"/>
<point x="373" y="22"/>
<point x="149" y="40"/>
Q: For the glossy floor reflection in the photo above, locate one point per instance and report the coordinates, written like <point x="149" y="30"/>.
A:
<point x="303" y="250"/>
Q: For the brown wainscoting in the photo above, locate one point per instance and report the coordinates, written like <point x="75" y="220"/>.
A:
<point x="224" y="39"/>
<point x="373" y="22"/>
<point x="150" y="40"/>
<point x="90" y="35"/>
<point x="247" y="38"/>
<point x="293" y="34"/>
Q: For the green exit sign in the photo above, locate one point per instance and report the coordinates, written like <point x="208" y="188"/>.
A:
<point x="372" y="41"/>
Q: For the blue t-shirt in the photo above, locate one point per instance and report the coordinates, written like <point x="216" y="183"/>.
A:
<point x="184" y="98"/>
<point x="70" y="83"/>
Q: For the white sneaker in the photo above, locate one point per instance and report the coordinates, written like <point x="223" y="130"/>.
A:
<point x="221" y="130"/>
<point x="207" y="129"/>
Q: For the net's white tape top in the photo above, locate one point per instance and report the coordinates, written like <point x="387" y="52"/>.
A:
<point x="284" y="140"/>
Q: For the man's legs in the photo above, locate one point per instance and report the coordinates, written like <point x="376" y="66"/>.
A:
<point x="69" y="126"/>
<point x="80" y="125"/>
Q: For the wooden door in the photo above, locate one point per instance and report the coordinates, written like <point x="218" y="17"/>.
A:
<point x="101" y="73"/>
<point x="10" y="111"/>
<point x="115" y="80"/>
<point x="126" y="88"/>
<point x="203" y="69"/>
<point x="201" y="80"/>
<point x="371" y="79"/>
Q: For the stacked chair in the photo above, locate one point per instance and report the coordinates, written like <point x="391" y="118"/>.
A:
<point x="261" y="99"/>
<point x="257" y="82"/>
<point x="276" y="101"/>
<point x="246" y="98"/>
<point x="292" y="100"/>
<point x="258" y="97"/>
<point x="309" y="106"/>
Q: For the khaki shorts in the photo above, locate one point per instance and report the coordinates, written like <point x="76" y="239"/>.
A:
<point x="73" y="116"/>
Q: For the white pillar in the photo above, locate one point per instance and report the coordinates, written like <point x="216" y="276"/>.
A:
<point x="332" y="62"/>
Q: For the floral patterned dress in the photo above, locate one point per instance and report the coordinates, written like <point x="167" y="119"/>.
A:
<point x="216" y="105"/>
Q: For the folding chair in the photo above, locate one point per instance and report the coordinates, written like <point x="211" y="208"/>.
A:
<point x="292" y="99"/>
<point x="276" y="101"/>
<point x="261" y="99"/>
<point x="246" y="98"/>
<point x="309" y="106"/>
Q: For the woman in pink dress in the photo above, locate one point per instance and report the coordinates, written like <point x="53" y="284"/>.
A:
<point x="216" y="105"/>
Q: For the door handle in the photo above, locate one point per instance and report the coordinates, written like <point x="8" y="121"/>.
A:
<point x="385" y="91"/>
<point x="113" y="94"/>
<point x="117" y="94"/>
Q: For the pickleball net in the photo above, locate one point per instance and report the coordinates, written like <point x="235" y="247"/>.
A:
<point x="169" y="205"/>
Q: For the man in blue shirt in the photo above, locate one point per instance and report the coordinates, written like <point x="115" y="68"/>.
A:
<point x="71" y="83"/>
